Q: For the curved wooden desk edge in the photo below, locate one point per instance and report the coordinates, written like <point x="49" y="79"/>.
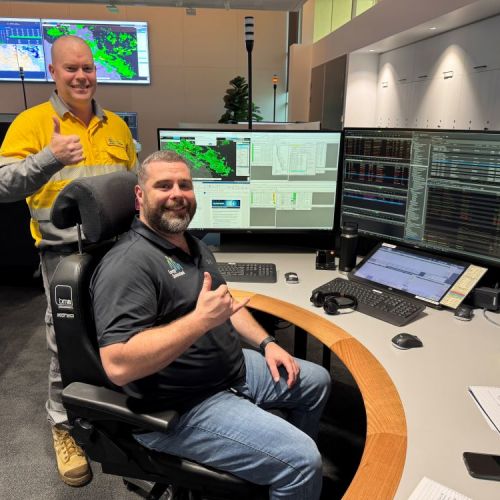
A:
<point x="382" y="462"/>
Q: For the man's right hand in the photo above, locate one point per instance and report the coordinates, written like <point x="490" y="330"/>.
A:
<point x="216" y="306"/>
<point x="67" y="149"/>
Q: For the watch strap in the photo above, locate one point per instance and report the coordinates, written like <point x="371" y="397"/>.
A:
<point x="263" y="344"/>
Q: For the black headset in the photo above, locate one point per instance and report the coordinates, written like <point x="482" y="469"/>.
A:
<point x="330" y="303"/>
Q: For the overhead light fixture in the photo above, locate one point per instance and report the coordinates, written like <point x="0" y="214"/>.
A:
<point x="372" y="50"/>
<point x="432" y="28"/>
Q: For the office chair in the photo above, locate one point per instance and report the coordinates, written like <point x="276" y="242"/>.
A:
<point x="99" y="412"/>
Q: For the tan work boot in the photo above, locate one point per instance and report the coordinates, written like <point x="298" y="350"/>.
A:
<point x="71" y="461"/>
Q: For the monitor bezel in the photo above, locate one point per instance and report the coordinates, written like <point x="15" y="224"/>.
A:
<point x="413" y="251"/>
<point x="101" y="22"/>
<point x="317" y="238"/>
<point x="374" y="238"/>
<point x="25" y="78"/>
<point x="46" y="56"/>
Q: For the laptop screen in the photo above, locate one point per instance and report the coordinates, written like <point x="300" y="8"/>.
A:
<point x="420" y="275"/>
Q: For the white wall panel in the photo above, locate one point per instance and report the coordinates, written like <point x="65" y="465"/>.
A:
<point x="444" y="89"/>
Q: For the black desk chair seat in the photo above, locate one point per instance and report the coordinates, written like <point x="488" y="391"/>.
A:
<point x="99" y="412"/>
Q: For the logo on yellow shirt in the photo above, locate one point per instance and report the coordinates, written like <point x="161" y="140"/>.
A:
<point x="115" y="142"/>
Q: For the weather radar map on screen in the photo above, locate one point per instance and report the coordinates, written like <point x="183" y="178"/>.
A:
<point x="120" y="48"/>
<point x="260" y="180"/>
<point x="20" y="47"/>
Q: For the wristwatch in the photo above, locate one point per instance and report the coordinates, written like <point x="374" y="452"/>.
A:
<point x="262" y="345"/>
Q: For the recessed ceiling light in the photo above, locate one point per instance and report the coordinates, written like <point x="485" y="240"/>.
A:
<point x="372" y="50"/>
<point x="433" y="28"/>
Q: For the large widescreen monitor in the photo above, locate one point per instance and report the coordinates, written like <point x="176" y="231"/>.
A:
<point x="433" y="189"/>
<point x="120" y="48"/>
<point x="274" y="181"/>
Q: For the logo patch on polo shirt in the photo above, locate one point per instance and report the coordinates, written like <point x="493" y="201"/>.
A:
<point x="175" y="268"/>
<point x="115" y="142"/>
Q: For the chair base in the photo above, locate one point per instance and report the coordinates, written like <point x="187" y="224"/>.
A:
<point x="160" y="491"/>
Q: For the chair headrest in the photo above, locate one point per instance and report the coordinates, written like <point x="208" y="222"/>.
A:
<point x="104" y="205"/>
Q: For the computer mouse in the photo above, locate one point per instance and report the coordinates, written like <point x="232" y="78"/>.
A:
<point x="406" y="341"/>
<point x="291" y="277"/>
<point x="464" y="312"/>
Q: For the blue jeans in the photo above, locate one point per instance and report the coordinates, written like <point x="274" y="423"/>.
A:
<point x="230" y="433"/>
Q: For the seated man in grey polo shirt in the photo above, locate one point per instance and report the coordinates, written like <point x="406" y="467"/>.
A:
<point x="169" y="330"/>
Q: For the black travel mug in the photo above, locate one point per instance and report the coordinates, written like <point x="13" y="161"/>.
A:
<point x="348" y="246"/>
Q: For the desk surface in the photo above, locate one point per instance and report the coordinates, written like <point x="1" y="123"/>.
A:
<point x="442" y="420"/>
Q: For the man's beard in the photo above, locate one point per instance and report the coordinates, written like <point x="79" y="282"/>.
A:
<point x="165" y="221"/>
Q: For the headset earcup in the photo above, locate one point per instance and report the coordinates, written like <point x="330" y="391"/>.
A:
<point x="318" y="298"/>
<point x="330" y="305"/>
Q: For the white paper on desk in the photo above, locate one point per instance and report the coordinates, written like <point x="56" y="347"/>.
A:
<point x="488" y="400"/>
<point x="428" y="489"/>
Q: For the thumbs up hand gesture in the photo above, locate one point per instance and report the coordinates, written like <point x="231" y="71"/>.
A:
<point x="66" y="148"/>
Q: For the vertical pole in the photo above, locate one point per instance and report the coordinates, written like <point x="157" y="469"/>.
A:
<point x="249" y="38"/>
<point x="21" y="75"/>
<point x="250" y="114"/>
<point x="275" y="85"/>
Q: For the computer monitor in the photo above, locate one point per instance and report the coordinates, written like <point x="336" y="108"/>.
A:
<point x="434" y="189"/>
<point x="5" y="120"/>
<point x="21" y="47"/>
<point x="120" y="48"/>
<point x="130" y="118"/>
<point x="260" y="181"/>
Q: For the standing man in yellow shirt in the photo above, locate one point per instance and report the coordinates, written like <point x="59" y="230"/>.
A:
<point x="46" y="147"/>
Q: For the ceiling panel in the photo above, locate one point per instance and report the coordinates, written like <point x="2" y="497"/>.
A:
<point x="279" y="5"/>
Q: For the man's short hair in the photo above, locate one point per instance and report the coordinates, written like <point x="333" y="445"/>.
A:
<point x="167" y="156"/>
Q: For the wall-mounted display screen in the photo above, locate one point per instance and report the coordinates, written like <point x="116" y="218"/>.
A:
<point x="21" y="47"/>
<point x="130" y="118"/>
<point x="435" y="189"/>
<point x="260" y="180"/>
<point x="120" y="48"/>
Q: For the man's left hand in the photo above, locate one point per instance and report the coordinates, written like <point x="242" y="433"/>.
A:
<point x="276" y="356"/>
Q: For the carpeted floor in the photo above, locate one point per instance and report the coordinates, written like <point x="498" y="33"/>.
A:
<point x="27" y="467"/>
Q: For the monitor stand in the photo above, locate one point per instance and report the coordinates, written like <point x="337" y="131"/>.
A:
<point x="266" y="242"/>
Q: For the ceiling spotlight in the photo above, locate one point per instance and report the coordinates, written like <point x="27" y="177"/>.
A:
<point x="432" y="28"/>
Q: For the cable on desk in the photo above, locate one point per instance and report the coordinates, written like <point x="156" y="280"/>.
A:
<point x="489" y="319"/>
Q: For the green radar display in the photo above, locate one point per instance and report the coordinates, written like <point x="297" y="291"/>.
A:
<point x="201" y="156"/>
<point x="120" y="50"/>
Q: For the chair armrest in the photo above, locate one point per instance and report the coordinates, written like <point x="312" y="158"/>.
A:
<point x="100" y="403"/>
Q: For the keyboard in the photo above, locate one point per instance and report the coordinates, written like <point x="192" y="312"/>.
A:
<point x="386" y="306"/>
<point x="248" y="272"/>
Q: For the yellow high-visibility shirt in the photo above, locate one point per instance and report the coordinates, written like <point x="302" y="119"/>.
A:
<point x="107" y="147"/>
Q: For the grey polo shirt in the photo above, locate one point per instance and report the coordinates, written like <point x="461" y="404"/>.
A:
<point x="144" y="281"/>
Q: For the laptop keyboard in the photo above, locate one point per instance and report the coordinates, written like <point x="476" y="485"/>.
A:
<point x="248" y="272"/>
<point x="389" y="307"/>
